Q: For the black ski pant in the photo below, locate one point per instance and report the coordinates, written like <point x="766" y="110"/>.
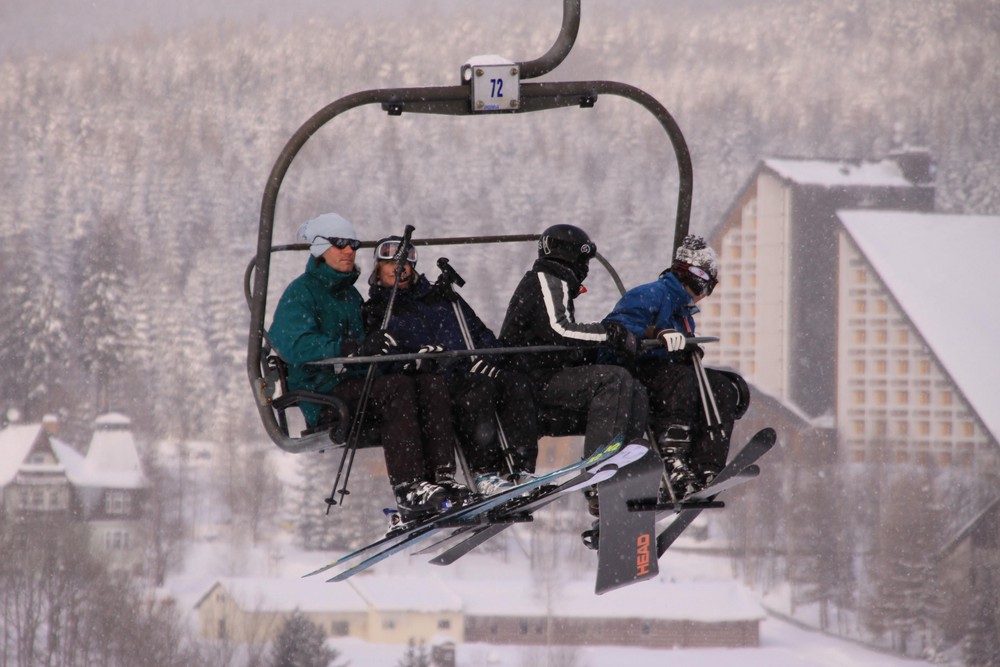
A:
<point x="478" y="401"/>
<point x="413" y="420"/>
<point x="674" y="399"/>
<point x="614" y="403"/>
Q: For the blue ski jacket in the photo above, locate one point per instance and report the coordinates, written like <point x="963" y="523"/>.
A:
<point x="317" y="313"/>
<point x="663" y="303"/>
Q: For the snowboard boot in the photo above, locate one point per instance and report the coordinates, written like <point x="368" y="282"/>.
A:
<point x="458" y="493"/>
<point x="419" y="499"/>
<point x="674" y="446"/>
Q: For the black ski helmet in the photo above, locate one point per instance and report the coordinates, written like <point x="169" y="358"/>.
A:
<point x="696" y="265"/>
<point x="566" y="243"/>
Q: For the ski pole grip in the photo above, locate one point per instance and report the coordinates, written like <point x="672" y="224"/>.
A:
<point x="449" y="273"/>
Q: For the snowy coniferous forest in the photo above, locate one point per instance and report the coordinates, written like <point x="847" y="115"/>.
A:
<point x="132" y="174"/>
<point x="132" y="171"/>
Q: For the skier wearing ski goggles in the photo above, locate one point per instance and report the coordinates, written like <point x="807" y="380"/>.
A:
<point x="387" y="249"/>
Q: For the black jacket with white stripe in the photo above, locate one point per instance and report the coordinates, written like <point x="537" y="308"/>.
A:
<point x="541" y="313"/>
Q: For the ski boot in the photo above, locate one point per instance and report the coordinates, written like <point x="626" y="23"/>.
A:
<point x="490" y="483"/>
<point x="593" y="501"/>
<point x="458" y="493"/>
<point x="395" y="521"/>
<point x="419" y="499"/>
<point x="674" y="446"/>
<point x="592" y="536"/>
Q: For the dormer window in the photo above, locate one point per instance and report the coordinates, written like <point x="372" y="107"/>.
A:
<point x="117" y="502"/>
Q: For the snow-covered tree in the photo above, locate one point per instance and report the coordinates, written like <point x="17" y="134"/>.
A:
<point x="301" y="643"/>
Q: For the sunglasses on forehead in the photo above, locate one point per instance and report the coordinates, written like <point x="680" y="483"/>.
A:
<point x="340" y="243"/>
<point x="388" y="249"/>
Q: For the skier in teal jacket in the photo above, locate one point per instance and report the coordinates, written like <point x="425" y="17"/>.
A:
<point x="319" y="317"/>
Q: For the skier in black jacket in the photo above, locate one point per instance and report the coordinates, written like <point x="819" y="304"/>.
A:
<point x="424" y="318"/>
<point x="541" y="312"/>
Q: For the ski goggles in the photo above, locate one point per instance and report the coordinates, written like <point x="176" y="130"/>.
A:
<point x="701" y="274"/>
<point x="340" y="243"/>
<point x="386" y="250"/>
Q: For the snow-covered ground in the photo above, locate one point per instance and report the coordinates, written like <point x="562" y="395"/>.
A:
<point x="682" y="572"/>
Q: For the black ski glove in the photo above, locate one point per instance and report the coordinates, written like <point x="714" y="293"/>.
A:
<point x="483" y="367"/>
<point x="622" y="339"/>
<point x="377" y="342"/>
<point x="423" y="365"/>
<point x="441" y="289"/>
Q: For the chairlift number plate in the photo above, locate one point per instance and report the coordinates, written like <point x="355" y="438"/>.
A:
<point x="495" y="87"/>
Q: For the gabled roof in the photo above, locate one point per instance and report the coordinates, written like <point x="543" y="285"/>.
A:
<point x="822" y="172"/>
<point x="394" y="593"/>
<point x="839" y="173"/>
<point x="16" y="441"/>
<point x="943" y="271"/>
<point x="286" y="595"/>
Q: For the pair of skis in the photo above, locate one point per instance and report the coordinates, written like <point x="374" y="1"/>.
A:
<point x="627" y="478"/>
<point x="600" y="465"/>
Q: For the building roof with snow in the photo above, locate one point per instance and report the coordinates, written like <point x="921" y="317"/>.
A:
<point x="942" y="271"/>
<point x="421" y="594"/>
<point x="839" y="173"/>
<point x="16" y="442"/>
<point x="285" y="595"/>
<point x="112" y="460"/>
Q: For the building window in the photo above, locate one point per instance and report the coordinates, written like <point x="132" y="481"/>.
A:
<point x="881" y="336"/>
<point x="880" y="397"/>
<point x="859" y="366"/>
<point x="340" y="629"/>
<point x="968" y="429"/>
<point x="859" y="397"/>
<point x="925" y="398"/>
<point x="116" y="540"/>
<point x="880" y="367"/>
<point x="388" y="624"/>
<point x="903" y="397"/>
<point x="903" y="336"/>
<point x="902" y="428"/>
<point x="925" y="366"/>
<point x="860" y="306"/>
<point x="443" y="624"/>
<point x="880" y="306"/>
<point x="221" y="629"/>
<point x="924" y="428"/>
<point x="859" y="337"/>
<point x="860" y="276"/>
<point x="946" y="428"/>
<point x="903" y="367"/>
<point x="946" y="397"/>
<point x="523" y="627"/>
<point x="117" y="502"/>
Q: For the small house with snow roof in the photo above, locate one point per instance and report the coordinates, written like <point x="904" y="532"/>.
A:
<point x="44" y="478"/>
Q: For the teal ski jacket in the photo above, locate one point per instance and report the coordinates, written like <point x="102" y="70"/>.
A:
<point x="318" y="312"/>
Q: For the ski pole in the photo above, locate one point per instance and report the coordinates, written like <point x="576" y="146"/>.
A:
<point x="351" y="447"/>
<point x="451" y="277"/>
